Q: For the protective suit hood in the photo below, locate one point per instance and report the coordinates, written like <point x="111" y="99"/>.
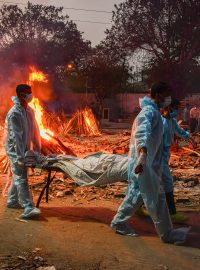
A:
<point x="146" y="101"/>
<point x="16" y="100"/>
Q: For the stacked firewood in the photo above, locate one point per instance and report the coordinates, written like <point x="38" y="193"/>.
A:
<point x="119" y="147"/>
<point x="185" y="157"/>
<point x="122" y="146"/>
<point x="53" y="146"/>
<point x="83" y="122"/>
<point x="56" y="120"/>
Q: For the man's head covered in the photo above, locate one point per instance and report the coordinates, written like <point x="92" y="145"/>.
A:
<point x="24" y="93"/>
<point x="161" y="93"/>
<point x="172" y="110"/>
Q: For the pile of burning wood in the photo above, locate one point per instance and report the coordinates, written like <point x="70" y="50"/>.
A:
<point x="53" y="146"/>
<point x="83" y="122"/>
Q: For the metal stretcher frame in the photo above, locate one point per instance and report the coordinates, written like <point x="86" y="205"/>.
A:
<point x="49" y="180"/>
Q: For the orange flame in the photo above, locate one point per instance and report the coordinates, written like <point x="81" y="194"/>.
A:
<point x="36" y="76"/>
<point x="92" y="127"/>
<point x="39" y="76"/>
<point x="38" y="110"/>
<point x="83" y="122"/>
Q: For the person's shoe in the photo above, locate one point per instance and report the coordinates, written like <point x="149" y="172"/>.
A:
<point x="142" y="212"/>
<point x="123" y="229"/>
<point x="14" y="205"/>
<point x="179" y="218"/>
<point x="31" y="213"/>
<point x="176" y="236"/>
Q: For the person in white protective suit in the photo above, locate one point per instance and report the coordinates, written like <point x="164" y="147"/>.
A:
<point x="172" y="128"/>
<point x="22" y="134"/>
<point x="145" y="170"/>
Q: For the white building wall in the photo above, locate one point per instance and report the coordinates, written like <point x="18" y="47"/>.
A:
<point x="130" y="101"/>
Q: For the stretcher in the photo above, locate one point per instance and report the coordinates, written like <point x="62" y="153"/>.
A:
<point x="47" y="182"/>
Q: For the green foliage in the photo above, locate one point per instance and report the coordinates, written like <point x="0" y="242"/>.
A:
<point x="168" y="30"/>
<point x="39" y="35"/>
<point x="105" y="75"/>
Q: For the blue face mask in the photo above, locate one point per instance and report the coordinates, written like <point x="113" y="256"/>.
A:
<point x="174" y="114"/>
<point x="167" y="101"/>
<point x="28" y="97"/>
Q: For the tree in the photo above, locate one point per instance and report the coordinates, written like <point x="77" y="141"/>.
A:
<point x="168" y="30"/>
<point x="42" y="36"/>
<point x="106" y="75"/>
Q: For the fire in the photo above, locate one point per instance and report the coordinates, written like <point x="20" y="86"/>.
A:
<point x="83" y="122"/>
<point x="91" y="126"/>
<point x="39" y="76"/>
<point x="36" y="75"/>
<point x="38" y="110"/>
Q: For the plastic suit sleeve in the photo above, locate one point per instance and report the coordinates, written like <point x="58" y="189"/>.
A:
<point x="18" y="133"/>
<point x="143" y="129"/>
<point x="179" y="131"/>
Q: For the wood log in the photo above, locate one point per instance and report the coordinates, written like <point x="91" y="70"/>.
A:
<point x="79" y="123"/>
<point x="191" y="151"/>
<point x="121" y="143"/>
<point x="55" y="146"/>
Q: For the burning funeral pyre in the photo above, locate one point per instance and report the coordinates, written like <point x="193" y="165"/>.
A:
<point x="185" y="161"/>
<point x="83" y="122"/>
<point x="50" y="143"/>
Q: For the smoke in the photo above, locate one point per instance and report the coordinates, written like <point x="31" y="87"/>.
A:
<point x="43" y="91"/>
<point x="8" y="83"/>
<point x="17" y="75"/>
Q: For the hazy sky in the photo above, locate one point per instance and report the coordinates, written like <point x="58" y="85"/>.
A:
<point x="93" y="32"/>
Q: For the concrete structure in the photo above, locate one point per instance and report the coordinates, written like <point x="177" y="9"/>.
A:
<point x="120" y="106"/>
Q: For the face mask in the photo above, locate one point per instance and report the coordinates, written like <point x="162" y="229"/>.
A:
<point x="174" y="114"/>
<point x="28" y="97"/>
<point x="167" y="101"/>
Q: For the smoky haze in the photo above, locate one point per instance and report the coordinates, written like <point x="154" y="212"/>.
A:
<point x="41" y="90"/>
<point x="15" y="74"/>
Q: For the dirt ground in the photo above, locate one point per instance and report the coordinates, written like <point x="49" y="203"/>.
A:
<point x="78" y="237"/>
<point x="74" y="234"/>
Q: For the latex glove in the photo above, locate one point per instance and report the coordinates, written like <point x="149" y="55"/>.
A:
<point x="141" y="163"/>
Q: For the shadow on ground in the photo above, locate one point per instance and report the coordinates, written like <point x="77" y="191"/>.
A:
<point x="143" y="225"/>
